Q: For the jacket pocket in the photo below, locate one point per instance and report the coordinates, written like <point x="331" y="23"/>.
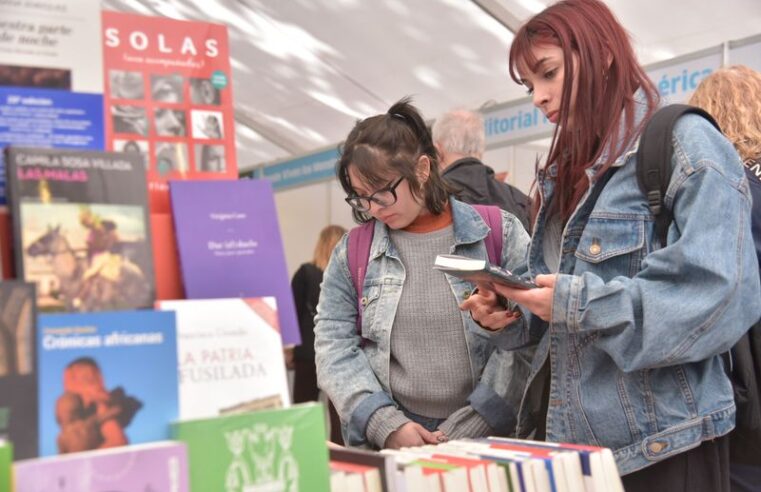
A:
<point x="612" y="246"/>
<point x="369" y="305"/>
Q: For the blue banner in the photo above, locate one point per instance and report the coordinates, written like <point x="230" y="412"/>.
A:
<point x="300" y="171"/>
<point x="48" y="118"/>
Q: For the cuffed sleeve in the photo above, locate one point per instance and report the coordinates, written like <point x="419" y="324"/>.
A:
<point x="465" y="422"/>
<point x="382" y="423"/>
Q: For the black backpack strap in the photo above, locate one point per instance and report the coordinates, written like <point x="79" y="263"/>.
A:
<point x="654" y="161"/>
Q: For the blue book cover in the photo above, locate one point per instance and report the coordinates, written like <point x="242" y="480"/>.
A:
<point x="32" y="117"/>
<point x="106" y="379"/>
<point x="228" y="237"/>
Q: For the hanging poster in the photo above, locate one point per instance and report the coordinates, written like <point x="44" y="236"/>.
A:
<point x="168" y="96"/>
<point x="42" y="44"/>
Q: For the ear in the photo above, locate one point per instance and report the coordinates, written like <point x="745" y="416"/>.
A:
<point x="423" y="169"/>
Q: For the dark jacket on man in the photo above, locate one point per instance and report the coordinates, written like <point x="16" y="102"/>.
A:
<point x="474" y="183"/>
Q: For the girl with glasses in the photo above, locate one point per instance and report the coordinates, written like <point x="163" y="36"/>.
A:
<point x="628" y="332"/>
<point x="415" y="372"/>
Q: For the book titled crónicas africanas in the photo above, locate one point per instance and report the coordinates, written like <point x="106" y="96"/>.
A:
<point x="480" y="271"/>
<point x="106" y="379"/>
<point x="18" y="367"/>
<point x="81" y="228"/>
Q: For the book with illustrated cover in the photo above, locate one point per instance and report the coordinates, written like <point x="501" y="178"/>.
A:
<point x="18" y="367"/>
<point x="229" y="353"/>
<point x="81" y="228"/>
<point x="272" y="450"/>
<point x="159" y="466"/>
<point x="105" y="379"/>
<point x="228" y="237"/>
<point x="480" y="271"/>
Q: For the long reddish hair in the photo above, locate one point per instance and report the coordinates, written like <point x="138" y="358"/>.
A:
<point x="607" y="79"/>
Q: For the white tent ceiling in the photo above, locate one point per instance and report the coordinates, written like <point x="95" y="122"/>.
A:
<point x="305" y="70"/>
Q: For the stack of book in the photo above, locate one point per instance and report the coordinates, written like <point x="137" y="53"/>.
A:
<point x="505" y="465"/>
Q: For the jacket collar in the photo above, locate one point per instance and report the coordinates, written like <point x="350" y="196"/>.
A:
<point x="467" y="224"/>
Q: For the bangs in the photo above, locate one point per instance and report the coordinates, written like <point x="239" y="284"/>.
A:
<point x="522" y="57"/>
<point x="372" y="165"/>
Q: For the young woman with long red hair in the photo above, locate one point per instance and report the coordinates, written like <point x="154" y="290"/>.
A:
<point x="628" y="332"/>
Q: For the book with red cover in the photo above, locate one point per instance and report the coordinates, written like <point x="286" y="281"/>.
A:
<point x="168" y="97"/>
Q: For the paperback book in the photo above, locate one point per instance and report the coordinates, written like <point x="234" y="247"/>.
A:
<point x="18" y="367"/>
<point x="480" y="271"/>
<point x="273" y="450"/>
<point x="106" y="379"/>
<point x="229" y="354"/>
<point x="229" y="242"/>
<point x="159" y="466"/>
<point x="81" y="228"/>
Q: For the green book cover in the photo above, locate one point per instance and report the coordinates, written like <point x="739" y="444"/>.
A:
<point x="281" y="450"/>
<point x="6" y="459"/>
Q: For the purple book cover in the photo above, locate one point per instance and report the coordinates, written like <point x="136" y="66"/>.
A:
<point x="160" y="466"/>
<point x="228" y="238"/>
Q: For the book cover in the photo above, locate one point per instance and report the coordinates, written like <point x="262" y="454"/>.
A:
<point x="6" y="459"/>
<point x="49" y="39"/>
<point x="81" y="228"/>
<point x="268" y="450"/>
<point x="31" y="117"/>
<point x="229" y="242"/>
<point x="154" y="467"/>
<point x="168" y="98"/>
<point x="480" y="271"/>
<point x="229" y="353"/>
<point x="18" y="367"/>
<point x="6" y="245"/>
<point x="106" y="379"/>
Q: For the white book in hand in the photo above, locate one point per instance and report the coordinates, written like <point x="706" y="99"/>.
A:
<point x="480" y="271"/>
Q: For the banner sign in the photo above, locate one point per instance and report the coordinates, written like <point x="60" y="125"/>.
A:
<point x="169" y="97"/>
<point x="746" y="52"/>
<point x="300" y="171"/>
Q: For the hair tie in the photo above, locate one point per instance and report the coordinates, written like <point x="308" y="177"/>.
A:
<point x="397" y="115"/>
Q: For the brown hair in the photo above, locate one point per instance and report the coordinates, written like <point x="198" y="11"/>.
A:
<point x="608" y="77"/>
<point x="390" y="144"/>
<point x="327" y="240"/>
<point x="733" y="96"/>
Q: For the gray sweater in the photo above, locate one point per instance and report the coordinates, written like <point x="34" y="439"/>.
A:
<point x="430" y="371"/>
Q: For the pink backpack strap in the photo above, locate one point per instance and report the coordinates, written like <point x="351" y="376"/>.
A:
<point x="360" y="240"/>
<point x="493" y="217"/>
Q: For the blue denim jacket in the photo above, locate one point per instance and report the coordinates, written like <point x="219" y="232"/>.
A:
<point x="637" y="329"/>
<point x="356" y="377"/>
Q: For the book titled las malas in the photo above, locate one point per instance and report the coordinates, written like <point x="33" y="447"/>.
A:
<point x="280" y="450"/>
<point x="480" y="271"/>
<point x="229" y="241"/>
<point x="18" y="367"/>
<point x="229" y="354"/>
<point x="81" y="228"/>
<point x="106" y="379"/>
<point x="159" y="466"/>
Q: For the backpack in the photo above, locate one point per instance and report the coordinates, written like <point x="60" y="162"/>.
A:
<point x="361" y="238"/>
<point x="743" y="361"/>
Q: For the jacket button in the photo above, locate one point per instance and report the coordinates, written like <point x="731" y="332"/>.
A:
<point x="364" y="301"/>
<point x="657" y="447"/>
<point x="595" y="249"/>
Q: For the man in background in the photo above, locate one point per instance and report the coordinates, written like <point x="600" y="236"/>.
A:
<point x="460" y="140"/>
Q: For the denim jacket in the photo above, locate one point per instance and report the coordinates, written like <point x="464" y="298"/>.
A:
<point x="356" y="376"/>
<point x="637" y="329"/>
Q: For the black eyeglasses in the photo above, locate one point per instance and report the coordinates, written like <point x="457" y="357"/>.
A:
<point x="385" y="197"/>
